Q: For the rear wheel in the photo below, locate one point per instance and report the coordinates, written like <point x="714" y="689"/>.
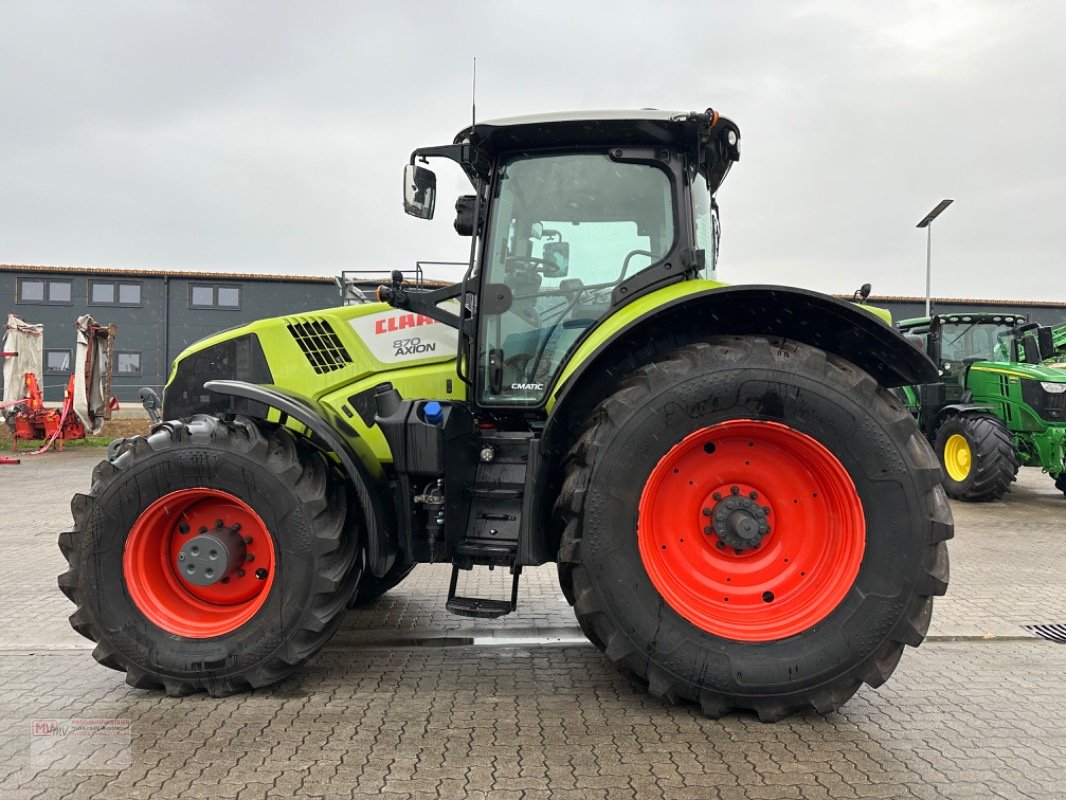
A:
<point x="211" y="556"/>
<point x="752" y="525"/>
<point x="1060" y="483"/>
<point x="978" y="456"/>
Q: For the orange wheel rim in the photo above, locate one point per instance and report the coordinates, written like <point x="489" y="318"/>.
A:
<point x="160" y="590"/>
<point x="751" y="530"/>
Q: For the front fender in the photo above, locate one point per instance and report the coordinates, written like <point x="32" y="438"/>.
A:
<point x="255" y="401"/>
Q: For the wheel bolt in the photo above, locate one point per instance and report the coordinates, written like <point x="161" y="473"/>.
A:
<point x="720" y="545"/>
<point x="753" y="495"/>
<point x="766" y="509"/>
<point x="717" y="495"/>
<point x="226" y="579"/>
<point x="250" y="557"/>
<point x="706" y="512"/>
<point x="247" y="539"/>
<point x="734" y="490"/>
<point x="738" y="550"/>
<point x="708" y="529"/>
<point x="218" y="523"/>
<point x="203" y="529"/>
<point x="236" y="526"/>
<point x="184" y="528"/>
<point x="240" y="573"/>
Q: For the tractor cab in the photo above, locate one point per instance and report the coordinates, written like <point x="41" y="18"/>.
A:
<point x="573" y="216"/>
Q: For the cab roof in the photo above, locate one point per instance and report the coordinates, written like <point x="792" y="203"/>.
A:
<point x="964" y="317"/>
<point x="612" y="126"/>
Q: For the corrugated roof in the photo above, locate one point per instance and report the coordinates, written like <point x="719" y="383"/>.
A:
<point x="161" y="273"/>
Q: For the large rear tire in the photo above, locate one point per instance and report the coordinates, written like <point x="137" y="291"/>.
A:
<point x="295" y="563"/>
<point x="753" y="525"/>
<point x="977" y="453"/>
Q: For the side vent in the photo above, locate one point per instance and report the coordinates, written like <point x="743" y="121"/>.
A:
<point x="323" y="349"/>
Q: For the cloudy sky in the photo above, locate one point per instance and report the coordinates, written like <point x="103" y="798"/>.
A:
<point x="270" y="137"/>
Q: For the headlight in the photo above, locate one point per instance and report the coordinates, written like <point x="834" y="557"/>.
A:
<point x="1053" y="388"/>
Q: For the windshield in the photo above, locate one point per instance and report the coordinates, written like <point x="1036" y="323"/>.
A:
<point x="565" y="230"/>
<point x="975" y="341"/>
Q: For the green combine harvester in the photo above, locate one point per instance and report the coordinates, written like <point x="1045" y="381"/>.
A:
<point x="741" y="514"/>
<point x="1000" y="403"/>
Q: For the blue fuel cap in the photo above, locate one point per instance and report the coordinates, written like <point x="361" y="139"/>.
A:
<point x="432" y="412"/>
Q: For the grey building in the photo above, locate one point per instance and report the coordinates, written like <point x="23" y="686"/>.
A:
<point x="158" y="313"/>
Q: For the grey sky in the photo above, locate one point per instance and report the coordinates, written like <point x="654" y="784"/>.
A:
<point x="271" y="137"/>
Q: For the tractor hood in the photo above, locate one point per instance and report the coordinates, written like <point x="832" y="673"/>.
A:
<point x="1047" y="373"/>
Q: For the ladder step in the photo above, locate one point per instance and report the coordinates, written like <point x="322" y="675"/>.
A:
<point x="492" y="552"/>
<point x="503" y="494"/>
<point x="480" y="606"/>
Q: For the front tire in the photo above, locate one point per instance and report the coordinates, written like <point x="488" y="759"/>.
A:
<point x="823" y="592"/>
<point x="296" y="559"/>
<point x="977" y="453"/>
<point x="1060" y="483"/>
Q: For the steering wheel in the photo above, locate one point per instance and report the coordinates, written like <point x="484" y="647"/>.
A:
<point x="534" y="264"/>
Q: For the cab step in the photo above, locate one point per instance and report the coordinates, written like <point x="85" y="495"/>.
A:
<point x="484" y="608"/>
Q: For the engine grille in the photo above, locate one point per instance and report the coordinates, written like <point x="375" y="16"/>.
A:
<point x="322" y="347"/>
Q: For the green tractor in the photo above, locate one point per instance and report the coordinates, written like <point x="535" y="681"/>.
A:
<point x="742" y="515"/>
<point x="1000" y="403"/>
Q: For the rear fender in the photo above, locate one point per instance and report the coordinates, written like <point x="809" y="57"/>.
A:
<point x="255" y="401"/>
<point x="681" y="314"/>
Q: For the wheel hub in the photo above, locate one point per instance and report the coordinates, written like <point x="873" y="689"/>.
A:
<point x="737" y="520"/>
<point x="199" y="562"/>
<point x="212" y="556"/>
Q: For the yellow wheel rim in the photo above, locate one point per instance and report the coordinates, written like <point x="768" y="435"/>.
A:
<point x="957" y="457"/>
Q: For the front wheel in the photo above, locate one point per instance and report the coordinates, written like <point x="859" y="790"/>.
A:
<point x="1060" y="483"/>
<point x="978" y="456"/>
<point x="211" y="555"/>
<point x="753" y="525"/>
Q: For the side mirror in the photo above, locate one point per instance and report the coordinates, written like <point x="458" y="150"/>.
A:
<point x="419" y="191"/>
<point x="1046" y="339"/>
<point x="1031" y="349"/>
<point x="464" y="215"/>
<point x="556" y="259"/>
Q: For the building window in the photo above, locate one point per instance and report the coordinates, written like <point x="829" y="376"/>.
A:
<point x="114" y="293"/>
<point x="44" y="291"/>
<point x="214" y="296"/>
<point x="57" y="361"/>
<point x="127" y="363"/>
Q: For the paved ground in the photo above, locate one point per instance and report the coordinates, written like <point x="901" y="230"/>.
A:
<point x="409" y="701"/>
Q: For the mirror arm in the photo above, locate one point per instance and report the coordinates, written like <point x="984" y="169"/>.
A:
<point x="459" y="153"/>
<point x="423" y="302"/>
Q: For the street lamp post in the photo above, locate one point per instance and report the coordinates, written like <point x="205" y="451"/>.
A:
<point x="926" y="223"/>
